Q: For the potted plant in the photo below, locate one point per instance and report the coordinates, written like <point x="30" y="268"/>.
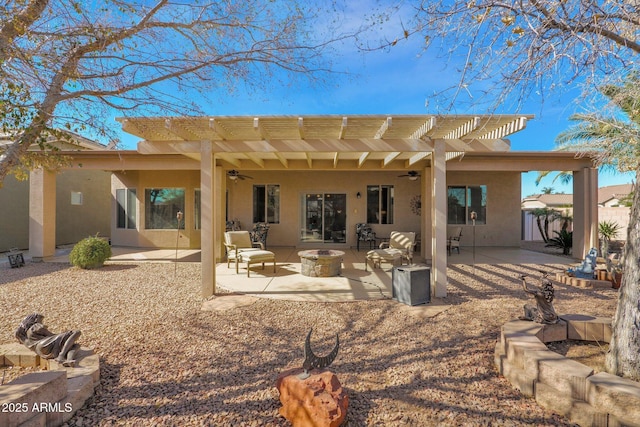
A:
<point x="90" y="252"/>
<point x="614" y="271"/>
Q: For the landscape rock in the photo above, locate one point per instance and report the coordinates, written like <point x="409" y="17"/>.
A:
<point x="318" y="400"/>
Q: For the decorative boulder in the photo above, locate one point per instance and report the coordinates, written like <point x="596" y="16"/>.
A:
<point x="318" y="400"/>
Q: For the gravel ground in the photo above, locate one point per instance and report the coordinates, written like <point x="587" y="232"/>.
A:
<point x="167" y="362"/>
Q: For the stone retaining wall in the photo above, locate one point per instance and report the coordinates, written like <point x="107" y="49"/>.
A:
<point x="563" y="385"/>
<point x="49" y="397"/>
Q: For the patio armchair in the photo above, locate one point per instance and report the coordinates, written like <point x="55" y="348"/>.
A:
<point x="237" y="242"/>
<point x="259" y="233"/>
<point x="453" y="242"/>
<point x="366" y="234"/>
<point x="402" y="241"/>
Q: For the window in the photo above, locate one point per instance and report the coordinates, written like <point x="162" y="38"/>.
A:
<point x="462" y="200"/>
<point x="162" y="206"/>
<point x="127" y="213"/>
<point x="266" y="203"/>
<point x="76" y="198"/>
<point x="380" y="204"/>
<point x="197" y="204"/>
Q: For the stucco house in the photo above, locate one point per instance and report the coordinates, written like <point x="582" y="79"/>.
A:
<point x="615" y="195"/>
<point x="313" y="178"/>
<point x="82" y="209"/>
<point x="558" y="201"/>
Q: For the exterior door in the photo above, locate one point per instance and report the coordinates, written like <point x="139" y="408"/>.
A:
<point x="324" y="218"/>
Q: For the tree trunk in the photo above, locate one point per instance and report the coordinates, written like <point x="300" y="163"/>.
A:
<point x="544" y="237"/>
<point x="546" y="228"/>
<point x="624" y="351"/>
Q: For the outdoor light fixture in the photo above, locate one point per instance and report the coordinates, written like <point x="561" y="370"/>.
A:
<point x="358" y="195"/>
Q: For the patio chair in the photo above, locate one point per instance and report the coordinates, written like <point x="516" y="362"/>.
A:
<point x="233" y="225"/>
<point x="256" y="257"/>
<point x="366" y="234"/>
<point x="453" y="242"/>
<point x="237" y="242"/>
<point x="399" y="247"/>
<point x="260" y="232"/>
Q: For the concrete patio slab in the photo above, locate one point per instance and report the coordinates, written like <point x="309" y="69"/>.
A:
<point x="352" y="284"/>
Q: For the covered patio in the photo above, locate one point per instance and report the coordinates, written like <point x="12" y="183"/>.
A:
<point x="303" y="154"/>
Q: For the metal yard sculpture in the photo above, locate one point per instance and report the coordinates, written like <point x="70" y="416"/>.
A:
<point x="35" y="336"/>
<point x="543" y="311"/>
<point x="311" y="361"/>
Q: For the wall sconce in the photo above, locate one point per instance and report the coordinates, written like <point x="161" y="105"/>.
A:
<point x="358" y="195"/>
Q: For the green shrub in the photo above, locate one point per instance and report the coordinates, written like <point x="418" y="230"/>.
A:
<point x="91" y="252"/>
<point x="563" y="240"/>
<point x="608" y="231"/>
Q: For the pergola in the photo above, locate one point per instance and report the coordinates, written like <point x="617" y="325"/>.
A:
<point x="321" y="142"/>
<point x="427" y="143"/>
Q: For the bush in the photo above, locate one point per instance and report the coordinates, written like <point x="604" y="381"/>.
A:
<point x="608" y="231"/>
<point x="563" y="240"/>
<point x="91" y="252"/>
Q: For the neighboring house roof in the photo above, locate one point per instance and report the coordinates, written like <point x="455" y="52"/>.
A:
<point x="613" y="193"/>
<point x="605" y="195"/>
<point x="548" y="200"/>
<point x="77" y="142"/>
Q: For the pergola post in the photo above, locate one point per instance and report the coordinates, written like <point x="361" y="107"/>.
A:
<point x="585" y="211"/>
<point x="42" y="214"/>
<point x="439" y="218"/>
<point x="208" y="222"/>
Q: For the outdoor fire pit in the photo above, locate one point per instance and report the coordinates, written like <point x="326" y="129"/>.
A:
<point x="321" y="262"/>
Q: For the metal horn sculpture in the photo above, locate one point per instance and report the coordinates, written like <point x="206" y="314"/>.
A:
<point x="311" y="361"/>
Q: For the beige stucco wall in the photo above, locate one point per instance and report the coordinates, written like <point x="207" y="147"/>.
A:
<point x="141" y="180"/>
<point x="503" y="208"/>
<point x="503" y="204"/>
<point x="14" y="214"/>
<point x="73" y="222"/>
<point x="294" y="184"/>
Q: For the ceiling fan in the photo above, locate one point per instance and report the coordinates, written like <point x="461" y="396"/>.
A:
<point x="413" y="175"/>
<point x="234" y="175"/>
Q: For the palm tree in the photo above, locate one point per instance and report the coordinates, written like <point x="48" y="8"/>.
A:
<point x="547" y="216"/>
<point x="565" y="177"/>
<point x="547" y="190"/>
<point x="614" y="140"/>
<point x="566" y="219"/>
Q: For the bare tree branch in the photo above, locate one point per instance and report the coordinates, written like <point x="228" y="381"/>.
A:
<point x="125" y="54"/>
<point x="526" y="48"/>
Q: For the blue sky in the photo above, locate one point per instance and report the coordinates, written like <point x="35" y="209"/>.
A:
<point x="400" y="81"/>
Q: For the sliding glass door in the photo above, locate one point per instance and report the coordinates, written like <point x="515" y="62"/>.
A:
<point x="324" y="218"/>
